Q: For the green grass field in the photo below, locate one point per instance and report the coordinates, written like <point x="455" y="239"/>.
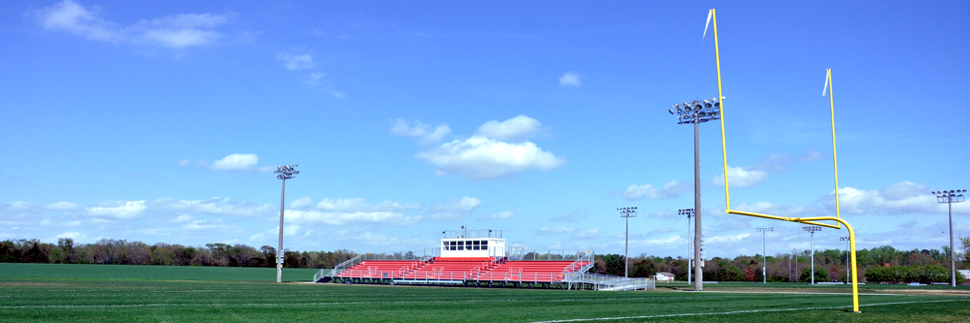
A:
<point x="90" y="293"/>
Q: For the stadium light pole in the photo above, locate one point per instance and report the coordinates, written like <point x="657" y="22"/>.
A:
<point x="846" y="239"/>
<point x="283" y="173"/>
<point x="627" y="212"/>
<point x="697" y="112"/>
<point x="689" y="213"/>
<point x="950" y="197"/>
<point x="764" y="258"/>
<point x="812" y="230"/>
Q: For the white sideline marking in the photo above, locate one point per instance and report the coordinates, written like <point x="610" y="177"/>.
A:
<point x="803" y="293"/>
<point x="492" y="300"/>
<point x="489" y="300"/>
<point x="741" y="312"/>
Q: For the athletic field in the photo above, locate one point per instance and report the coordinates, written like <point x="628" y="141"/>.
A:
<point x="98" y="293"/>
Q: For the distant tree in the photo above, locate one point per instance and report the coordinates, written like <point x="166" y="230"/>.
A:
<point x="642" y="267"/>
<point x="614" y="264"/>
<point x="749" y="273"/>
<point x="291" y="259"/>
<point x="821" y="275"/>
<point x="7" y="251"/>
<point x="162" y="254"/>
<point x="269" y="256"/>
<point x="35" y="254"/>
<point x="183" y="256"/>
<point x="66" y="246"/>
<point x="964" y="250"/>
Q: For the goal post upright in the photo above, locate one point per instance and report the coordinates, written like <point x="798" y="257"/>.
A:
<point x="807" y="220"/>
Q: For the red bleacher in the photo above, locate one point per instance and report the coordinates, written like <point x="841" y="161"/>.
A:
<point x="380" y="269"/>
<point x="536" y="271"/>
<point x="480" y="269"/>
<point x="451" y="268"/>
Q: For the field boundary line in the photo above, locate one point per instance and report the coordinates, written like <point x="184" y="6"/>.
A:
<point x="487" y="300"/>
<point x="497" y="300"/>
<point x="743" y="311"/>
<point x="801" y="293"/>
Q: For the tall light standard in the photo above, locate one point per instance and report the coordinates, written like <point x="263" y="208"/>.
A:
<point x="697" y="112"/>
<point x="846" y="239"/>
<point x="627" y="212"/>
<point x="689" y="213"/>
<point x="950" y="197"/>
<point x="764" y="258"/>
<point x="812" y="230"/>
<point x="284" y="173"/>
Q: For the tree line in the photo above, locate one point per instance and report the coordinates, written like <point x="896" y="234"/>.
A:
<point x="123" y="252"/>
<point x="830" y="264"/>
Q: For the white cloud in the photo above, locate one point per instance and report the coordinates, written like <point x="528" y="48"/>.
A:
<point x="337" y="94"/>
<point x="71" y="17"/>
<point x="127" y="210"/>
<point x="299" y="62"/>
<point x="183" y="218"/>
<point x="672" y="240"/>
<point x="779" y="210"/>
<point x="422" y="132"/>
<point x="554" y="230"/>
<point x="898" y="198"/>
<point x="500" y="216"/>
<point x="740" y="177"/>
<point x="343" y="218"/>
<point x="238" y="162"/>
<point x="21" y="206"/>
<point x="215" y="206"/>
<point x="61" y="206"/>
<point x="344" y="211"/>
<point x="301" y="203"/>
<point x="756" y="174"/>
<point x="778" y="163"/>
<point x="360" y="204"/>
<point x="519" y="127"/>
<point x="206" y="225"/>
<point x="573" y="216"/>
<point x="670" y="190"/>
<point x="588" y="234"/>
<point x="727" y="238"/>
<point x="358" y="236"/>
<point x="484" y="158"/>
<point x="455" y="209"/>
<point x="903" y="190"/>
<point x="179" y="31"/>
<point x="199" y="163"/>
<point x="569" y="79"/>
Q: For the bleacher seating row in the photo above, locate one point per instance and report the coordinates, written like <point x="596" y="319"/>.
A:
<point x="480" y="269"/>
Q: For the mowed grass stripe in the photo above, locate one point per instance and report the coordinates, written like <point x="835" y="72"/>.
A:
<point x="94" y="293"/>
<point x="126" y="300"/>
<point x="746" y="311"/>
<point x="188" y="273"/>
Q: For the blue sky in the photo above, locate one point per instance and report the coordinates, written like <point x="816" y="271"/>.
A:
<point x="158" y="121"/>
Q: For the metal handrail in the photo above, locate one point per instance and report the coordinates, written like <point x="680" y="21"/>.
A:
<point x="340" y="267"/>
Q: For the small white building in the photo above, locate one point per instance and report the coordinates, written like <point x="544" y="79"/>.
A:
<point x="665" y="277"/>
<point x="472" y="244"/>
